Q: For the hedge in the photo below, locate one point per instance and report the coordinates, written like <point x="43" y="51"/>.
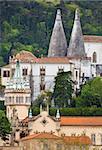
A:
<point x="86" y="111"/>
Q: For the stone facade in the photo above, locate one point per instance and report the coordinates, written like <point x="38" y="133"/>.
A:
<point x="17" y="95"/>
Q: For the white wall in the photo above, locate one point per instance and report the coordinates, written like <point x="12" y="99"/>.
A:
<point x="91" y="47"/>
<point x="51" y="71"/>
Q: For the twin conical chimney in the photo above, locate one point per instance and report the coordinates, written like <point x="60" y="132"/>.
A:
<point x="58" y="43"/>
<point x="76" y="45"/>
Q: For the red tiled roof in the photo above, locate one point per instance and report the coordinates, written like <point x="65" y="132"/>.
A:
<point x="66" y="139"/>
<point x="81" y="121"/>
<point x="25" y="56"/>
<point x="53" y="60"/>
<point x="92" y="38"/>
<point x="40" y="136"/>
<point x="75" y="121"/>
<point x="77" y="140"/>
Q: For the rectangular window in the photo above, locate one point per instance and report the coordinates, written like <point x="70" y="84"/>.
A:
<point x="27" y="99"/>
<point x="42" y="87"/>
<point x="93" y="139"/>
<point x="12" y="72"/>
<point x="42" y="71"/>
<point x="6" y="73"/>
<point x="76" y="74"/>
<point x="24" y="72"/>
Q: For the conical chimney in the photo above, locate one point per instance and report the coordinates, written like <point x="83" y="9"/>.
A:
<point x="58" y="43"/>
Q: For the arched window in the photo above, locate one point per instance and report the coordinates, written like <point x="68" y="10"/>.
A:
<point x="94" y="57"/>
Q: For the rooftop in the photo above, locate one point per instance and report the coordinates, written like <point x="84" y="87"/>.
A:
<point x="67" y="139"/>
<point x="76" y="121"/>
<point x="77" y="140"/>
<point x="93" y="38"/>
<point x="41" y="136"/>
<point x="25" y="56"/>
<point x="53" y="60"/>
<point x="81" y="121"/>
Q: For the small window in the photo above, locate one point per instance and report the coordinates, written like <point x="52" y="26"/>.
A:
<point x="76" y="74"/>
<point x="94" y="57"/>
<point x="6" y="73"/>
<point x="42" y="71"/>
<point x="42" y="87"/>
<point x="27" y="99"/>
<point x="24" y="72"/>
<point x="12" y="72"/>
<point x="93" y="138"/>
<point x="17" y="99"/>
<point x="60" y="70"/>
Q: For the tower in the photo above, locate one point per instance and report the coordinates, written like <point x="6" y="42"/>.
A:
<point x="58" y="43"/>
<point x="17" y="95"/>
<point x="76" y="45"/>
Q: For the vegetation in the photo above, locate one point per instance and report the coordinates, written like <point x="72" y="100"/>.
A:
<point x="91" y="94"/>
<point x="88" y="103"/>
<point x="4" y="126"/>
<point x="63" y="90"/>
<point x="28" y="24"/>
<point x="86" y="111"/>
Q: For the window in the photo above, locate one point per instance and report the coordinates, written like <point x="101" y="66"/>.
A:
<point x="60" y="69"/>
<point x="27" y="99"/>
<point x="93" y="139"/>
<point x="76" y="74"/>
<point x="17" y="99"/>
<point x="42" y="87"/>
<point x="12" y="72"/>
<point x="24" y="72"/>
<point x="6" y="73"/>
<point x="94" y="57"/>
<point x="42" y="71"/>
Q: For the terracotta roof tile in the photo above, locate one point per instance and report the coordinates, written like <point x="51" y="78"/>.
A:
<point x="40" y="136"/>
<point x="25" y="56"/>
<point x="53" y="60"/>
<point x="77" y="140"/>
<point x="81" y="121"/>
<point x="92" y="38"/>
<point x="66" y="139"/>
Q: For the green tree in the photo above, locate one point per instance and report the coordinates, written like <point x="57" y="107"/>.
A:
<point x="63" y="89"/>
<point x="91" y="94"/>
<point x="4" y="126"/>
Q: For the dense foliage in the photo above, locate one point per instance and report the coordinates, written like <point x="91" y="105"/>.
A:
<point x="28" y="24"/>
<point x="4" y="126"/>
<point x="91" y="94"/>
<point x="63" y="89"/>
<point x="86" y="111"/>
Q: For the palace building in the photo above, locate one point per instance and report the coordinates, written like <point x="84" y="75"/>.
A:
<point x="26" y="76"/>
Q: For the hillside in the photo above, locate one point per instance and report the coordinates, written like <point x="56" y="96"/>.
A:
<point x="28" y="24"/>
